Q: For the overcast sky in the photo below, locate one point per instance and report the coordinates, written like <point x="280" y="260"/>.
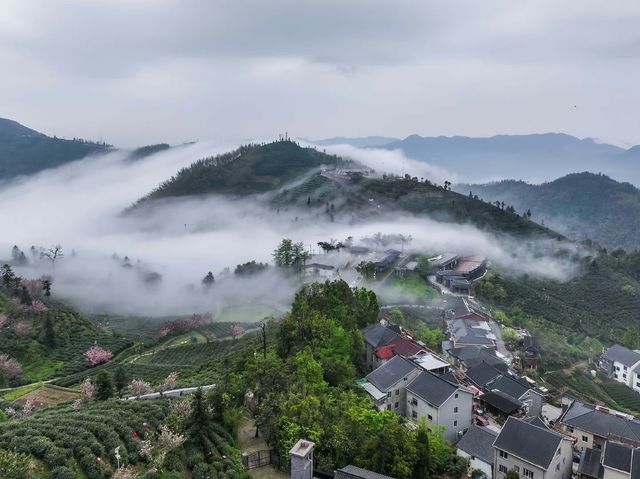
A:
<point x="142" y="71"/>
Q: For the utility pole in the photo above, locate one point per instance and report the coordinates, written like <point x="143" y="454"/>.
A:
<point x="263" y="326"/>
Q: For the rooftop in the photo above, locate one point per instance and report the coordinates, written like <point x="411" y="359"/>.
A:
<point x="528" y="442"/>
<point x="501" y="401"/>
<point x="590" y="463"/>
<point x="622" y="355"/>
<point x="478" y="442"/>
<point x="390" y="372"/>
<point x="432" y="388"/>
<point x="601" y="423"/>
<point x="377" y="335"/>
<point x="617" y="456"/>
<point x="353" y="472"/>
<point x="302" y="448"/>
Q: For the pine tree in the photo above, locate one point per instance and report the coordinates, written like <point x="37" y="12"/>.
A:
<point x="104" y="386"/>
<point x="48" y="333"/>
<point x="120" y="380"/>
<point x="208" y="280"/>
<point x="421" y="468"/>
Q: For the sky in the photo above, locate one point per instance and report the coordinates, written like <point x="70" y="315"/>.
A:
<point x="137" y="72"/>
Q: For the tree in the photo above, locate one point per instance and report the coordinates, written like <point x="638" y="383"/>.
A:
<point x="421" y="468"/>
<point x="510" y="337"/>
<point x="46" y="286"/>
<point x="25" y="297"/>
<point x="9" y="368"/>
<point x="169" y="383"/>
<point x="97" y="355"/>
<point x="199" y="422"/>
<point x="120" y="380"/>
<point x="48" y="333"/>
<point x="15" y="465"/>
<point x="53" y="254"/>
<point x="139" y="387"/>
<point x="512" y="474"/>
<point x="88" y="389"/>
<point x="529" y="214"/>
<point x="104" y="386"/>
<point x="290" y="256"/>
<point x="367" y="269"/>
<point x="9" y="278"/>
<point x="208" y="280"/>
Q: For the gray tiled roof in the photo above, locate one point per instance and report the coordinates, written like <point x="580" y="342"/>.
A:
<point x="587" y="418"/>
<point x="526" y="441"/>
<point x="467" y="331"/>
<point x="378" y="335"/>
<point x="590" y="463"/>
<point x="482" y="373"/>
<point x="635" y="465"/>
<point x="431" y="388"/>
<point x="622" y="355"/>
<point x="501" y="401"/>
<point x="617" y="456"/>
<point x="353" y="472"/>
<point x="390" y="372"/>
<point x="478" y="442"/>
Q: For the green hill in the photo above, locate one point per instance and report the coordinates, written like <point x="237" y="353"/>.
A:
<point x="580" y="206"/>
<point x="24" y="151"/>
<point x="248" y="170"/>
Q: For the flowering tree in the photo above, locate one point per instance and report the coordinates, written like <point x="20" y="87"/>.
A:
<point x="37" y="306"/>
<point x="28" y="408"/>
<point x="139" y="387"/>
<point x="169" y="382"/>
<point x="88" y="389"/>
<point x="22" y="329"/>
<point x="9" y="368"/>
<point x="125" y="473"/>
<point x="170" y="440"/>
<point x="34" y="286"/>
<point x="98" y="355"/>
<point x="237" y="330"/>
<point x="4" y="319"/>
<point x="76" y="405"/>
<point x="182" y="408"/>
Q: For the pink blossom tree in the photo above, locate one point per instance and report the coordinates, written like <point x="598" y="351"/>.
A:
<point x="88" y="389"/>
<point x="22" y="329"/>
<point x="9" y="368"/>
<point x="38" y="306"/>
<point x="97" y="355"/>
<point x="237" y="330"/>
<point x="169" y="382"/>
<point x="4" y="319"/>
<point x="139" y="387"/>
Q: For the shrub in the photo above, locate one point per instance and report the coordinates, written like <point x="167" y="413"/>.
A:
<point x="62" y="472"/>
<point x="201" y="471"/>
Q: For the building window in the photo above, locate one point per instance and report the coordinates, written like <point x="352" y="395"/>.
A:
<point x="388" y="406"/>
<point x="558" y="451"/>
<point x="624" y="376"/>
<point x="517" y="469"/>
<point x="569" y="429"/>
<point x="617" y="368"/>
<point x="397" y="392"/>
<point x="456" y="396"/>
<point x="414" y="401"/>
<point x="584" y="439"/>
<point x="625" y="368"/>
<point x="504" y="455"/>
<point x="429" y="417"/>
<point x="558" y="467"/>
<point x="503" y="468"/>
<point x="396" y="405"/>
<point x="389" y="394"/>
<point x="414" y="415"/>
<point x="455" y="423"/>
<point x="528" y="473"/>
<point x="455" y="409"/>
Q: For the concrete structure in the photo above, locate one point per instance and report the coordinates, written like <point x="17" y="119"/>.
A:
<point x="615" y="461"/>
<point x="353" y="472"/>
<point x="441" y="402"/>
<point x="623" y="365"/>
<point x="302" y="460"/>
<point x="477" y="446"/>
<point x="534" y="452"/>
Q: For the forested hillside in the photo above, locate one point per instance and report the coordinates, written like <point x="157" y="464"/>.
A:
<point x="24" y="151"/>
<point x="581" y="206"/>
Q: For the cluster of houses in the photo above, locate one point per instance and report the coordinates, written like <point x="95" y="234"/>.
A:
<point x="623" y="365"/>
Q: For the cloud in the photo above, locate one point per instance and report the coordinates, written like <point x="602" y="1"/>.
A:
<point x="136" y="72"/>
<point x="79" y="206"/>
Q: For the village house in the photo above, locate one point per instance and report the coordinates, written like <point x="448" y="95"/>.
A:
<point x="615" y="461"/>
<point x="376" y="336"/>
<point x="387" y="384"/>
<point x="505" y="393"/>
<point x="532" y="451"/>
<point x="441" y="402"/>
<point x="477" y="446"/>
<point x="623" y="365"/>
<point x="591" y="426"/>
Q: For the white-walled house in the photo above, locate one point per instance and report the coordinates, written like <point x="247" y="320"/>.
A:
<point x="623" y="365"/>
<point x="477" y="446"/>
<point x="387" y="384"/>
<point x="533" y="451"/>
<point x="441" y="402"/>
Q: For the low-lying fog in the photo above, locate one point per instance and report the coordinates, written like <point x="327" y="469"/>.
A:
<point x="79" y="206"/>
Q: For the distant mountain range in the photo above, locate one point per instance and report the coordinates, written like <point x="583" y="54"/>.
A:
<point x="534" y="158"/>
<point x="579" y="205"/>
<point x="24" y="151"/>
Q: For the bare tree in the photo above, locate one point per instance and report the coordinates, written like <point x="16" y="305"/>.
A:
<point x="53" y="254"/>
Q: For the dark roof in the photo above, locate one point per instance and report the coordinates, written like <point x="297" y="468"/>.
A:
<point x="403" y="346"/>
<point x="390" y="372"/>
<point x="482" y="373"/>
<point x="617" y="456"/>
<point x="432" y="388"/>
<point x="513" y="386"/>
<point x="478" y="442"/>
<point x="536" y="421"/>
<point x="474" y="354"/>
<point x="468" y="331"/>
<point x="353" y="472"/>
<point x="590" y="463"/>
<point x="378" y="335"/>
<point x="635" y="464"/>
<point x="528" y="442"/>
<point x="501" y="401"/>
<point x="449" y="376"/>
<point x="622" y="355"/>
<point x="588" y="418"/>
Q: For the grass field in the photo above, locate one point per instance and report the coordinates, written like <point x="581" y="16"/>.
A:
<point x="623" y="395"/>
<point x="250" y="313"/>
<point x="409" y="289"/>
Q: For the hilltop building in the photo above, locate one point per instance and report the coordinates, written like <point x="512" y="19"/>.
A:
<point x="623" y="365"/>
